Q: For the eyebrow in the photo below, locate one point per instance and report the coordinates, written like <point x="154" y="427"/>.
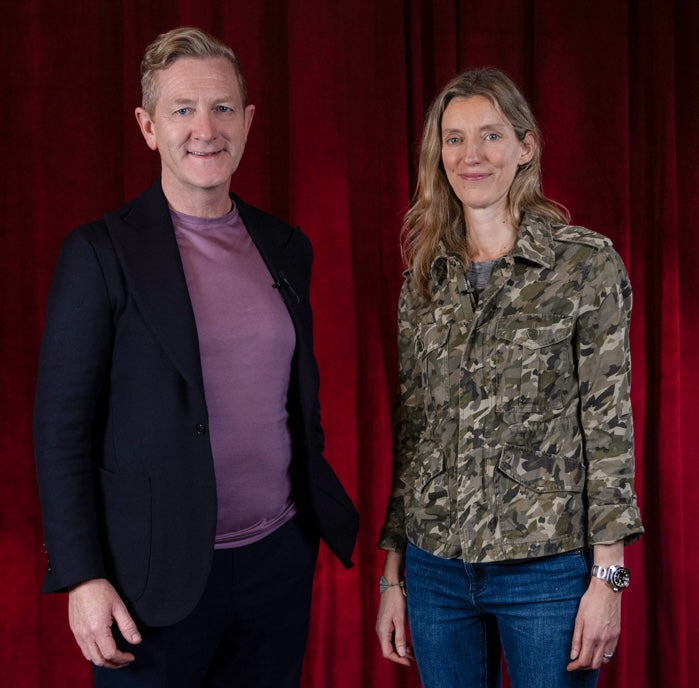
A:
<point x="182" y="101"/>
<point x="192" y="101"/>
<point x="485" y="127"/>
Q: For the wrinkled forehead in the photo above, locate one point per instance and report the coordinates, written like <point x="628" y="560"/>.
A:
<point x="186" y="76"/>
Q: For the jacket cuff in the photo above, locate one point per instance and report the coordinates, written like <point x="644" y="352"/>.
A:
<point x="613" y="522"/>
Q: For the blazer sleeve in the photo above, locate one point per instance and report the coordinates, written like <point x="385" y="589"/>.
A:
<point x="72" y="377"/>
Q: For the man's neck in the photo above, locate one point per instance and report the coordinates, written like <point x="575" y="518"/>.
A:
<point x="207" y="203"/>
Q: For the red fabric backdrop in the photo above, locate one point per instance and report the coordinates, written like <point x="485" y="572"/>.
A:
<point x="340" y="89"/>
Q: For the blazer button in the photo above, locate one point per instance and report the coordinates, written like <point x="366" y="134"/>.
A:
<point x="200" y="429"/>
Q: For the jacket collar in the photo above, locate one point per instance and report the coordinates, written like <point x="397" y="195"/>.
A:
<point x="534" y="243"/>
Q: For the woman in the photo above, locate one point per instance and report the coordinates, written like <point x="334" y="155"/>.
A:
<point x="512" y="493"/>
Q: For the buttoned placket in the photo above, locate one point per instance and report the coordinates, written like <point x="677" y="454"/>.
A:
<point x="471" y="318"/>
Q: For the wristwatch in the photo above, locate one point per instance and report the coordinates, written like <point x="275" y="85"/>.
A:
<point x="616" y="577"/>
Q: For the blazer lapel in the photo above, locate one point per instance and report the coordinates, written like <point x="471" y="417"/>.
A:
<point x="272" y="246"/>
<point x="145" y="242"/>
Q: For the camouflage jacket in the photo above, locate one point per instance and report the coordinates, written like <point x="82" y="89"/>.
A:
<point x="513" y="430"/>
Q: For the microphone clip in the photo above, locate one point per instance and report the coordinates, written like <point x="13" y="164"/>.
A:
<point x="286" y="290"/>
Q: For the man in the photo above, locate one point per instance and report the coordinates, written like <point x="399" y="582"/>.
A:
<point x="176" y="424"/>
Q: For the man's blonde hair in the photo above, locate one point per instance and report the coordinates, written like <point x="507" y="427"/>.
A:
<point x="185" y="41"/>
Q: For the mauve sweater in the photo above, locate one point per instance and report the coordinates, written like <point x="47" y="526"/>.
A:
<point x="246" y="343"/>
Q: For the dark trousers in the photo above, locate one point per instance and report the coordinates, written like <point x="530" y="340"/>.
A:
<point x="249" y="629"/>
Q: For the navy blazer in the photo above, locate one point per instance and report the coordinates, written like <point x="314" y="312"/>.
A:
<point x="125" y="470"/>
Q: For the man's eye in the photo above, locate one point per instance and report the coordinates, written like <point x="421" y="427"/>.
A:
<point x="492" y="137"/>
<point x="223" y="108"/>
<point x="182" y="111"/>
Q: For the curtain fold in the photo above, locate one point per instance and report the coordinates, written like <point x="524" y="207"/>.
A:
<point x="341" y="91"/>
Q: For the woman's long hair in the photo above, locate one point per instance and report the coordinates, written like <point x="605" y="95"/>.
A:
<point x="435" y="220"/>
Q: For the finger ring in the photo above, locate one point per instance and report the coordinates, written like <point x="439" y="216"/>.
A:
<point x="608" y="655"/>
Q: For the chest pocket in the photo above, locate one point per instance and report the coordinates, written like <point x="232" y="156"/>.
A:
<point x="534" y="362"/>
<point x="432" y="352"/>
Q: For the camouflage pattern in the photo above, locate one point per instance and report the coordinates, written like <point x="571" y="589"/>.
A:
<point x="513" y="430"/>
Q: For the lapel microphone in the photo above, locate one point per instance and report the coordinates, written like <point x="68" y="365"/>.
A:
<point x="286" y="290"/>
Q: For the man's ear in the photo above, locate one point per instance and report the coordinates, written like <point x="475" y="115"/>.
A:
<point x="248" y="115"/>
<point x="147" y="126"/>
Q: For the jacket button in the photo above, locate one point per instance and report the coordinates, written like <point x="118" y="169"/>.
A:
<point x="533" y="334"/>
<point x="200" y="429"/>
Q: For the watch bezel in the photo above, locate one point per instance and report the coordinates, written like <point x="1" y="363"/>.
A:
<point x="616" y="577"/>
<point x="619" y="577"/>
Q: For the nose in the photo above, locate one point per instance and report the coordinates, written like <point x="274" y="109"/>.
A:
<point x="204" y="127"/>
<point x="471" y="151"/>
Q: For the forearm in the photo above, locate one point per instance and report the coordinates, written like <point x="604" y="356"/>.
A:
<point x="393" y="567"/>
<point x="608" y="555"/>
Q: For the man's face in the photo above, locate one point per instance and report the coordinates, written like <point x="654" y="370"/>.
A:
<point x="199" y="126"/>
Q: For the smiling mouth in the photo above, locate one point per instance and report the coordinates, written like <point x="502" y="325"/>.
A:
<point x="473" y="177"/>
<point x="204" y="154"/>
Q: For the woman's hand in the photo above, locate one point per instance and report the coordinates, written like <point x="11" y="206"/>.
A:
<point x="390" y="622"/>
<point x="597" y="627"/>
<point x="598" y="623"/>
<point x="390" y="627"/>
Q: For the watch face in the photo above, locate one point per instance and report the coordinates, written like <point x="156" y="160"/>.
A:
<point x="621" y="577"/>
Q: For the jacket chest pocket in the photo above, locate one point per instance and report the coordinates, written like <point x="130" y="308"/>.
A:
<point x="432" y="353"/>
<point x="534" y="362"/>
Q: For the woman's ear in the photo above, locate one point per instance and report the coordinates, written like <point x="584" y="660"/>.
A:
<point x="529" y="145"/>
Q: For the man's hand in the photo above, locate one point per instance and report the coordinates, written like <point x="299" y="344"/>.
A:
<point x="93" y="606"/>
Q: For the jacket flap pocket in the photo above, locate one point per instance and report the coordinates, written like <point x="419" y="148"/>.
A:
<point x="536" y="331"/>
<point x="542" y="472"/>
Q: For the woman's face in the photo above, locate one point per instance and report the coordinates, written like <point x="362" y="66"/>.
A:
<point x="481" y="153"/>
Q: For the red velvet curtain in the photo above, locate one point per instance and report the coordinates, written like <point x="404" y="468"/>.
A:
<point x="341" y="89"/>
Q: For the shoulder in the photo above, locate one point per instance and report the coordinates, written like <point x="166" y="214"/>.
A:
<point x="579" y="244"/>
<point x="412" y="304"/>
<point x="593" y="256"/>
<point x="579" y="255"/>
<point x="274" y="228"/>
<point x="90" y="237"/>
<point x="574" y="234"/>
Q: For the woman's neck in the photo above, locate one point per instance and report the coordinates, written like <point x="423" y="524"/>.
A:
<point x="490" y="235"/>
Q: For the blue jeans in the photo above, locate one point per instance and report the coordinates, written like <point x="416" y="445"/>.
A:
<point x="461" y="616"/>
